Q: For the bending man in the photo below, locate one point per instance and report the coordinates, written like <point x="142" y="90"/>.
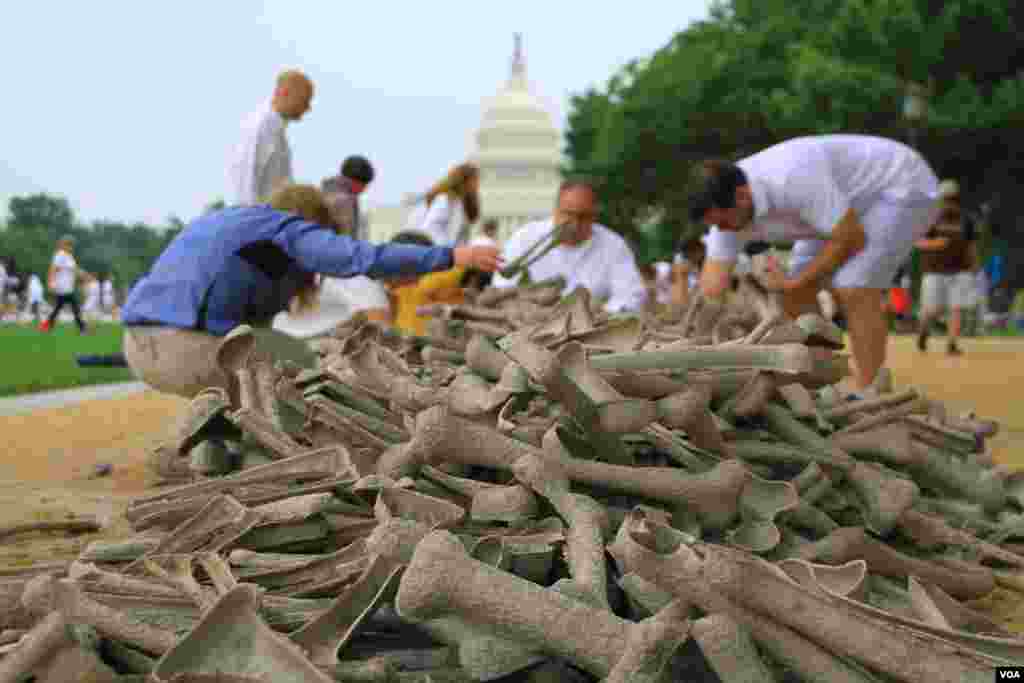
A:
<point x="854" y="206"/>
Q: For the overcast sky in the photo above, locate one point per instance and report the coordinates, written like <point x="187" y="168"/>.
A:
<point x="130" y="109"/>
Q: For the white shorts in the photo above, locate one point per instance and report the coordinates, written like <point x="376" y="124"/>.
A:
<point x="940" y="291"/>
<point x="891" y="227"/>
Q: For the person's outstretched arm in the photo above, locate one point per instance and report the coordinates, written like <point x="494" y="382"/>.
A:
<point x="319" y="249"/>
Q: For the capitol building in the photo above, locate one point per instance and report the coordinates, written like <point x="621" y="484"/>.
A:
<point x="518" y="150"/>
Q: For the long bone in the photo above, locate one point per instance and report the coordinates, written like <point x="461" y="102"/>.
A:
<point x="44" y="594"/>
<point x="442" y="579"/>
<point x="904" y="654"/>
<point x="587" y="520"/>
<point x="853" y="543"/>
<point x="717" y="496"/>
<point x="884" y="498"/>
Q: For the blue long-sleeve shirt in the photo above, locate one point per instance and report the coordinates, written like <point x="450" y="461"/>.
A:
<point x="243" y="265"/>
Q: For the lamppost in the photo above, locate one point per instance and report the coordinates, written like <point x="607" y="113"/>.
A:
<point x="915" y="105"/>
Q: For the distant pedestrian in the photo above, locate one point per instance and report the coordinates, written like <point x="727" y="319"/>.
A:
<point x="949" y="261"/>
<point x="262" y="159"/>
<point x="92" y="307"/>
<point x="62" y="279"/>
<point x="108" y="297"/>
<point x="35" y="296"/>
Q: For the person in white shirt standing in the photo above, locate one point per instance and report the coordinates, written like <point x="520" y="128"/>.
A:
<point x="108" y="298"/>
<point x="35" y="296"/>
<point x="92" y="308"/>
<point x="448" y="210"/>
<point x="854" y="206"/>
<point x="262" y="159"/>
<point x="588" y="254"/>
<point x="63" y="276"/>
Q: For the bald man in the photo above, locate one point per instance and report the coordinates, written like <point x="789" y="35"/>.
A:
<point x="262" y="161"/>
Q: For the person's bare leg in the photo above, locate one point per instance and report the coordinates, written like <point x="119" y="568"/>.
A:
<point x="955" y="321"/>
<point x="928" y="319"/>
<point x="869" y="333"/>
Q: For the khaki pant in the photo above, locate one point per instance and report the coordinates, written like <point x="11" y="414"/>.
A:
<point x="184" y="362"/>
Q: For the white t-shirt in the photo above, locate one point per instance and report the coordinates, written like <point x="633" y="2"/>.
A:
<point x="92" y="296"/>
<point x="65" y="268"/>
<point x="663" y="281"/>
<point x="35" y="289"/>
<point x="804" y="186"/>
<point x="441" y="221"/>
<point x="261" y="161"/>
<point x="605" y="265"/>
<point x="340" y="299"/>
<point x="108" y="293"/>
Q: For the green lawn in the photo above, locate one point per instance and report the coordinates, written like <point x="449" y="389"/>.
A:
<point x="32" y="361"/>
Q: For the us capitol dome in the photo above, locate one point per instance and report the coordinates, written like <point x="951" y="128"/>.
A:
<point x="518" y="150"/>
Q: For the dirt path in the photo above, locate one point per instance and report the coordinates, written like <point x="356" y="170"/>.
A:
<point x="48" y="455"/>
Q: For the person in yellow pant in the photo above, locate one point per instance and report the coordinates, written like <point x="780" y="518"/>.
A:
<point x="408" y="294"/>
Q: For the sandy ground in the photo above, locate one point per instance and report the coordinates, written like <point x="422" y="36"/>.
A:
<point x="48" y="455"/>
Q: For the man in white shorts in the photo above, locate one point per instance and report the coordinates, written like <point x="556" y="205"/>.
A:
<point x="948" y="263"/>
<point x="853" y="205"/>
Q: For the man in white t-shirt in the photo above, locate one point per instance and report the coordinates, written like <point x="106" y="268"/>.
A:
<point x="852" y="204"/>
<point x="262" y="160"/>
<point x="589" y="254"/>
<point x="63" y="276"/>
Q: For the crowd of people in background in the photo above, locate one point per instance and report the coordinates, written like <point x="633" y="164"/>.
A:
<point x="23" y="295"/>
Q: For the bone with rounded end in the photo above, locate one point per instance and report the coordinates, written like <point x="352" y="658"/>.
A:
<point x="587" y="520"/>
<point x="504" y="504"/>
<point x="441" y="436"/>
<point x="713" y="495"/>
<point x="443" y="580"/>
<point x="689" y="410"/>
<point x="36" y="648"/>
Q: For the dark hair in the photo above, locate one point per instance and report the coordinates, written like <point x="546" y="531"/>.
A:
<point x="717" y="182"/>
<point x="490" y="226"/>
<point x="412" y="237"/>
<point x="357" y="168"/>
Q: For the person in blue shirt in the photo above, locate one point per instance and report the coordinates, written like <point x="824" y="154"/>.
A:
<point x="243" y="265"/>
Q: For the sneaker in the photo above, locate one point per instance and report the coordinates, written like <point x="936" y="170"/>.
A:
<point x="44" y="326"/>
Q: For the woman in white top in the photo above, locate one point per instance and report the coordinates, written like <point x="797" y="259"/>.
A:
<point x="449" y="208"/>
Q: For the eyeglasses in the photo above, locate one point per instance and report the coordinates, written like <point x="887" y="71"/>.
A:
<point x="587" y="215"/>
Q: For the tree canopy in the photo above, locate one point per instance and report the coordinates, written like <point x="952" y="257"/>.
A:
<point x="757" y="72"/>
<point x="37" y="221"/>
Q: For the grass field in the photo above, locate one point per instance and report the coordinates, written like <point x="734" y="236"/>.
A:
<point x="32" y="361"/>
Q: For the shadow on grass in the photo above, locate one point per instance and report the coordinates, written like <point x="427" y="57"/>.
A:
<point x="34" y="361"/>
